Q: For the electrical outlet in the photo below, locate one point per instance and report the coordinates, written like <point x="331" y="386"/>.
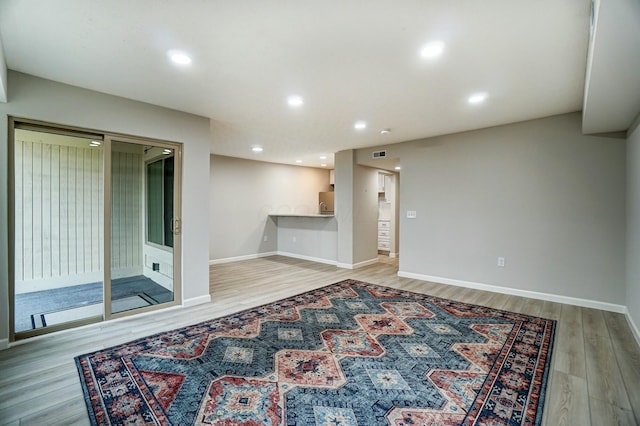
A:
<point x="411" y="214"/>
<point x="294" y="239"/>
<point x="501" y="262"/>
<point x="265" y="239"/>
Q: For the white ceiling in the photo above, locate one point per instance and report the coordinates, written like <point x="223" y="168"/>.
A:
<point x="350" y="60"/>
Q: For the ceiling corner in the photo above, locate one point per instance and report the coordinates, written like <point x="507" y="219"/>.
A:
<point x="612" y="84"/>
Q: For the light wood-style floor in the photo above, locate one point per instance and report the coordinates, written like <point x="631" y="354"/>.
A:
<point x="595" y="378"/>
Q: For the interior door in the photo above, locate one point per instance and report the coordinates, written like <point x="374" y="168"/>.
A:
<point x="144" y="226"/>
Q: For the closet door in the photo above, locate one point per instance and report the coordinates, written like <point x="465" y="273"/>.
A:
<point x="144" y="226"/>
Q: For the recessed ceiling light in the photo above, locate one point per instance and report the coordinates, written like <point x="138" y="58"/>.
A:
<point x="397" y="167"/>
<point x="323" y="165"/>
<point x="298" y="161"/>
<point x="295" y="101"/>
<point x="432" y="50"/>
<point x="179" y="58"/>
<point x="477" y="98"/>
<point x="385" y="131"/>
<point x="257" y="149"/>
<point x="360" y="125"/>
<point x="323" y="157"/>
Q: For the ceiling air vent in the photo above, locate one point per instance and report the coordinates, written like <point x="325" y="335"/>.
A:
<point x="379" y="154"/>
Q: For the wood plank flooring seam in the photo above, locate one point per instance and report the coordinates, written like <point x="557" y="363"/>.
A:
<point x="570" y="399"/>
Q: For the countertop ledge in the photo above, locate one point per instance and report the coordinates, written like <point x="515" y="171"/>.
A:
<point x="302" y="215"/>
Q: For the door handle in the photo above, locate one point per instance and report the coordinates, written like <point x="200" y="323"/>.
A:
<point x="176" y="225"/>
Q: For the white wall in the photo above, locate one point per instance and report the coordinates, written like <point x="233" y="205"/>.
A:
<point x="35" y="98"/>
<point x="153" y="253"/>
<point x="243" y="193"/>
<point x="58" y="213"/>
<point x="127" y="207"/>
<point x="541" y="194"/>
<point x="633" y="225"/>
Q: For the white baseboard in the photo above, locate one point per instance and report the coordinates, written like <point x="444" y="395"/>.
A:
<point x="271" y="253"/>
<point x="587" y="303"/>
<point x="4" y="344"/>
<point x="365" y="263"/>
<point x="357" y="265"/>
<point x="295" y="256"/>
<point x="239" y="258"/>
<point x="303" y="257"/>
<point x="193" y="301"/>
<point x="634" y="328"/>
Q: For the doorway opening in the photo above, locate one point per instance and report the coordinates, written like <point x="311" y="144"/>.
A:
<point x="388" y="208"/>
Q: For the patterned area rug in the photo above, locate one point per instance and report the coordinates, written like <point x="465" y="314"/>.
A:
<point x="347" y="354"/>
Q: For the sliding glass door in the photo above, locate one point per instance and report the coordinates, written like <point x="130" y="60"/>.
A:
<point x="80" y="201"/>
<point x="144" y="197"/>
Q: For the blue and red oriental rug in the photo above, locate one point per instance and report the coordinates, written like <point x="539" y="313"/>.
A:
<point x="347" y="354"/>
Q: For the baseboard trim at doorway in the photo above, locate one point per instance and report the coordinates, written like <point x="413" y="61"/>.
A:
<point x="196" y="300"/>
<point x="357" y="265"/>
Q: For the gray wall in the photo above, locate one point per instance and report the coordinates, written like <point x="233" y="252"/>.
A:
<point x="3" y="74"/>
<point x="633" y="223"/>
<point x="311" y="238"/>
<point x="243" y="193"/>
<point x="541" y="194"/>
<point x="344" y="187"/>
<point x="365" y="214"/>
<point x="356" y="210"/>
<point x="31" y="97"/>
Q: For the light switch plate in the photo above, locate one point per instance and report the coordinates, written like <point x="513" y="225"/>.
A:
<point x="411" y="214"/>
